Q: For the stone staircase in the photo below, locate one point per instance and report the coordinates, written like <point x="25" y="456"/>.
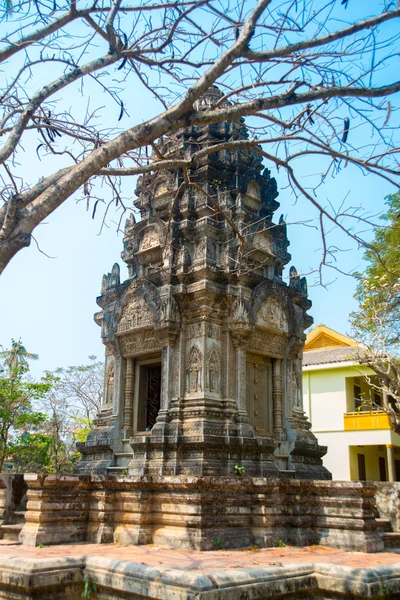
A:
<point x="13" y="509"/>
<point x="10" y="531"/>
<point x="390" y="538"/>
<point x="122" y="460"/>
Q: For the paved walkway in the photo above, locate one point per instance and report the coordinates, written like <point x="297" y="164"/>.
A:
<point x="204" y="561"/>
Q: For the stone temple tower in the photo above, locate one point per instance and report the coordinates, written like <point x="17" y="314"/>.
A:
<point x="204" y="339"/>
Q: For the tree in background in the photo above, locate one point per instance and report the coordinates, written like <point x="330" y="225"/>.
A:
<point x="16" y="356"/>
<point x="376" y="324"/>
<point x="20" y="424"/>
<point x="40" y="422"/>
<point x="71" y="405"/>
<point x="312" y="84"/>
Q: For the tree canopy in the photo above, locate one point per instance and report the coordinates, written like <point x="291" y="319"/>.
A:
<point x="378" y="290"/>
<point x="40" y="421"/>
<point x="376" y="323"/>
<point x="316" y="78"/>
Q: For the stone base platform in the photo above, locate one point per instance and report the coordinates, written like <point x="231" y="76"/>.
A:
<point x="200" y="513"/>
<point x="115" y="572"/>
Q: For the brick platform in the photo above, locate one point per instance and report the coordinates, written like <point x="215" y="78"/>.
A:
<point x="152" y="572"/>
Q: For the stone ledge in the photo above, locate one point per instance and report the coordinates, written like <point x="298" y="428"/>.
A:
<point x="63" y="577"/>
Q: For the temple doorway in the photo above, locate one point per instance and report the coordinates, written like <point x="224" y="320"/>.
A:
<point x="149" y="396"/>
<point x="259" y="393"/>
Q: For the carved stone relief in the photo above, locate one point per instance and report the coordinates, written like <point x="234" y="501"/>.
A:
<point x="167" y="311"/>
<point x="110" y="384"/>
<point x="194" y="370"/>
<point x="150" y="239"/>
<point x="213" y="371"/>
<point x="268" y="343"/>
<point x="136" y="315"/>
<point x="240" y="312"/>
<point x="200" y="251"/>
<point x="196" y="330"/>
<point x="139" y="342"/>
<point x="272" y="315"/>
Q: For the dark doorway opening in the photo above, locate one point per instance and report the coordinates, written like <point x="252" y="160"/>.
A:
<point x="149" y="395"/>
<point x="397" y="469"/>
<point x="153" y="395"/>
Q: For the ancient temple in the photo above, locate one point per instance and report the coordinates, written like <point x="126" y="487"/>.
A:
<point x="204" y="339"/>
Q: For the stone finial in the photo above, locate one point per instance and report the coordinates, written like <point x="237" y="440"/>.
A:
<point x="111" y="279"/>
<point x="294" y="279"/>
<point x="304" y="286"/>
<point x="130" y="222"/>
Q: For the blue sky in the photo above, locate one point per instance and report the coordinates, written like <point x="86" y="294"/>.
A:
<point x="49" y="302"/>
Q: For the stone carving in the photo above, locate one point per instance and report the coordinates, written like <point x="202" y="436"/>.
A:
<point x="298" y="283"/>
<point x="294" y="279"/>
<point x="139" y="343"/>
<point x="194" y="330"/>
<point x="129" y="223"/>
<point x="194" y="370"/>
<point x="167" y="311"/>
<point x="135" y="315"/>
<point x="200" y="252"/>
<point x="268" y="343"/>
<point x="110" y="384"/>
<point x="271" y="315"/>
<point x="213" y="331"/>
<point x="224" y="257"/>
<point x="184" y="259"/>
<point x="149" y="240"/>
<point x="111" y="280"/>
<point x="213" y="371"/>
<point x="240" y="312"/>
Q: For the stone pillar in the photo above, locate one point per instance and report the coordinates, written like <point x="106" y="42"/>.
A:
<point x="390" y="462"/>
<point x="241" y="382"/>
<point x="166" y="377"/>
<point x="277" y="394"/>
<point x="129" y="391"/>
<point x="166" y="366"/>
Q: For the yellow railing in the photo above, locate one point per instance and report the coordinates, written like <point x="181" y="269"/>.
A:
<point x="354" y="421"/>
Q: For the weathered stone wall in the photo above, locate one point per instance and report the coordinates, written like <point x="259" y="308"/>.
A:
<point x="57" y="510"/>
<point x="190" y="512"/>
<point x="12" y="495"/>
<point x="388" y="502"/>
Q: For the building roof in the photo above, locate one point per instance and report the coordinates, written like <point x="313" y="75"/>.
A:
<point x="324" y="337"/>
<point x="330" y="355"/>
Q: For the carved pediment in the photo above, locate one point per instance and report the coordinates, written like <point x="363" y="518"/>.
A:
<point x="272" y="315"/>
<point x="150" y="248"/>
<point x="135" y="315"/>
<point x="150" y="239"/>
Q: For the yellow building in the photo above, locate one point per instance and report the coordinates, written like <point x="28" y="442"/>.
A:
<point x="345" y="410"/>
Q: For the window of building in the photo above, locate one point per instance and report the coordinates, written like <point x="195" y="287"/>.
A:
<point x="361" y="467"/>
<point x="397" y="469"/>
<point x="382" y="469"/>
<point x="377" y="400"/>
<point x="357" y="397"/>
